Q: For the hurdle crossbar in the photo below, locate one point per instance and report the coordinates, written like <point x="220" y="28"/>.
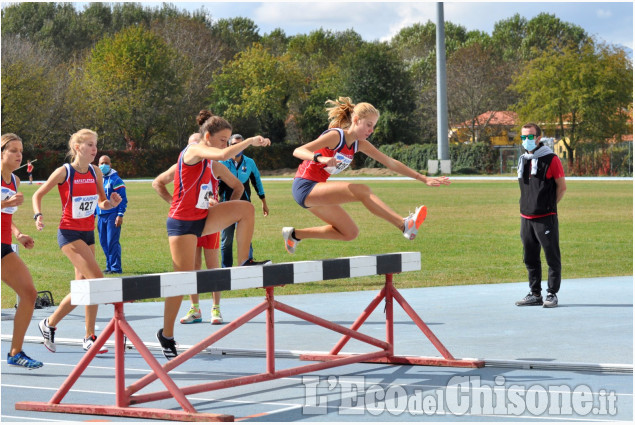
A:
<point x="119" y="291"/>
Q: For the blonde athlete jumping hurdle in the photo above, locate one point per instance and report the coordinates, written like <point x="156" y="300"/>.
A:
<point x="349" y="129"/>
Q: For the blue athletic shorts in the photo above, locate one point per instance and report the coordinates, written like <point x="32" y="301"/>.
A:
<point x="185" y="227"/>
<point x="6" y="249"/>
<point x="66" y="236"/>
<point x="301" y="189"/>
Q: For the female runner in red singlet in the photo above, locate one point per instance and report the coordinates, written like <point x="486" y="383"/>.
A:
<point x="350" y="127"/>
<point x="191" y="216"/>
<point x="81" y="190"/>
<point x="209" y="244"/>
<point x="14" y="271"/>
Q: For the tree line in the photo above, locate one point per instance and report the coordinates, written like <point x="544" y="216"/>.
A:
<point x="139" y="75"/>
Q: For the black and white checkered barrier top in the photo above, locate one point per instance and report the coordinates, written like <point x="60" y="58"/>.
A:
<point x="160" y="285"/>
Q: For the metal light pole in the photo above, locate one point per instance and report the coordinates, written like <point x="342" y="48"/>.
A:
<point x="442" y="98"/>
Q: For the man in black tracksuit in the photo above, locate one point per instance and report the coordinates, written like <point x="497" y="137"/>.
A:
<point x="542" y="186"/>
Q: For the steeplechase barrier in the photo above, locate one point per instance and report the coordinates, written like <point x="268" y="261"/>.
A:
<point x="119" y="291"/>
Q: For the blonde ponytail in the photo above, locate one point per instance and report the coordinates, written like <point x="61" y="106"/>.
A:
<point x="342" y="110"/>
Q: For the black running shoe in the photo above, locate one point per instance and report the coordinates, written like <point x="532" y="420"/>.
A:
<point x="530" y="299"/>
<point x="251" y="262"/>
<point x="168" y="345"/>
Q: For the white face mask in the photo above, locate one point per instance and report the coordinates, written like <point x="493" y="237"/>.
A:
<point x="529" y="145"/>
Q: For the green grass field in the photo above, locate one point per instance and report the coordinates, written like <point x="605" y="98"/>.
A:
<point x="471" y="235"/>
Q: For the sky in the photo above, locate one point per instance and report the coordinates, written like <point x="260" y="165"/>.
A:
<point x="611" y="22"/>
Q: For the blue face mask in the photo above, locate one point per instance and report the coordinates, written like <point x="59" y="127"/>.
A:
<point x="105" y="168"/>
<point x="529" y="145"/>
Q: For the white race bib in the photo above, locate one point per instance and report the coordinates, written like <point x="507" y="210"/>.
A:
<point x="6" y="194"/>
<point x="345" y="161"/>
<point x="204" y="195"/>
<point x="84" y="206"/>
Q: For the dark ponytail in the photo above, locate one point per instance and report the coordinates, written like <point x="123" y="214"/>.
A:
<point x="210" y="123"/>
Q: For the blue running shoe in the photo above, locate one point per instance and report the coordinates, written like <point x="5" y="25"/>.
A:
<point x="23" y="360"/>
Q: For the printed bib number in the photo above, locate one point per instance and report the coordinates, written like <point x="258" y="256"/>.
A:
<point x="6" y="194"/>
<point x="345" y="161"/>
<point x="204" y="195"/>
<point x="84" y="206"/>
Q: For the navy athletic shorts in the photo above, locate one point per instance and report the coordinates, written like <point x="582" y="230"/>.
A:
<point x="66" y="236"/>
<point x="185" y="227"/>
<point x="6" y="249"/>
<point x="301" y="189"/>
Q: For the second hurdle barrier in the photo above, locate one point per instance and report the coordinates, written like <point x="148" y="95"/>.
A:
<point x="121" y="290"/>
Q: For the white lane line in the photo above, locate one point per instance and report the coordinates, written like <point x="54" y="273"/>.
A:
<point x="34" y="419"/>
<point x="341" y="378"/>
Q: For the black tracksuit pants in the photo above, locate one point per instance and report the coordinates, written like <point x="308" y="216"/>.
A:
<point x="537" y="233"/>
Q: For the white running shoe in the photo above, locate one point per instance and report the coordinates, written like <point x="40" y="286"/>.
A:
<point x="413" y="221"/>
<point x="48" y="333"/>
<point x="193" y="316"/>
<point x="290" y="243"/>
<point x="88" y="342"/>
<point x="217" y="318"/>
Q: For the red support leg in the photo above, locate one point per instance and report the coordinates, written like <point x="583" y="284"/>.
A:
<point x="390" y="336"/>
<point x="271" y="353"/>
<point x="120" y="350"/>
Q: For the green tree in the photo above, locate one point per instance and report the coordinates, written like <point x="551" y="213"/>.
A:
<point x="519" y="40"/>
<point x="582" y="93"/>
<point x="34" y="86"/>
<point x="477" y="83"/>
<point x="132" y="83"/>
<point x="318" y="55"/>
<point x="198" y="60"/>
<point x="311" y="116"/>
<point x="276" y="42"/>
<point x="416" y="45"/>
<point x="315" y="51"/>
<point x="51" y="25"/>
<point x="254" y="90"/>
<point x="236" y="34"/>
<point x="376" y="74"/>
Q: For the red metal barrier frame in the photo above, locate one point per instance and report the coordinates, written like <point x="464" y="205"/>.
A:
<point x="126" y="396"/>
<point x="389" y="292"/>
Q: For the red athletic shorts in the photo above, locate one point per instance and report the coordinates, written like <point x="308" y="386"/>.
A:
<point x="209" y="241"/>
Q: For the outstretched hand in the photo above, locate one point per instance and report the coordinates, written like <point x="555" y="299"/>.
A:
<point x="438" y="181"/>
<point x="260" y="141"/>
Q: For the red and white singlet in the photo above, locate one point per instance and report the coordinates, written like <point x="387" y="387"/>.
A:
<point x="319" y="172"/>
<point x="8" y="190"/>
<point x="79" y="197"/>
<point x="193" y="188"/>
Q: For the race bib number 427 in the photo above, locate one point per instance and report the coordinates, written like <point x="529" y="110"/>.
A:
<point x="84" y="206"/>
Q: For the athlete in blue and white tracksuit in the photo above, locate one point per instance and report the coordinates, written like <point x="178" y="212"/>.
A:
<point x="109" y="221"/>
